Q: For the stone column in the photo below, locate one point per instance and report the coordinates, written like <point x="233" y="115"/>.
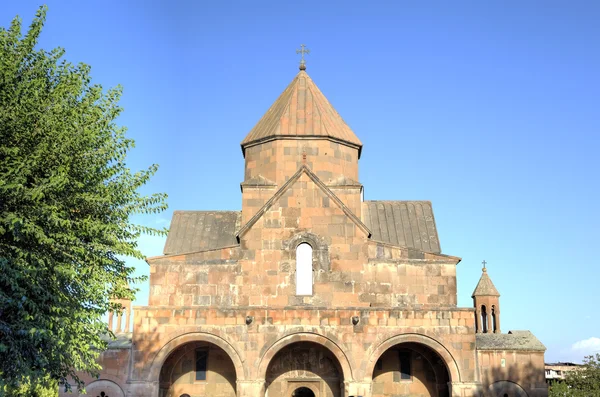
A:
<point x="119" y="318"/>
<point x="250" y="388"/>
<point x="497" y="313"/>
<point x="478" y="322"/>
<point x="357" y="389"/>
<point x="142" y="389"/>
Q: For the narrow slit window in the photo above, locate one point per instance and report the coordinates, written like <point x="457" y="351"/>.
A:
<point x="304" y="276"/>
<point x="404" y="365"/>
<point x="494" y="329"/>
<point x="201" y="362"/>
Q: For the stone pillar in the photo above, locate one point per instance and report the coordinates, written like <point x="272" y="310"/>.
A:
<point x="250" y="388"/>
<point x="478" y="324"/>
<point x="142" y="389"/>
<point x="357" y="389"/>
<point x="497" y="314"/>
<point x="119" y="325"/>
<point x="465" y="389"/>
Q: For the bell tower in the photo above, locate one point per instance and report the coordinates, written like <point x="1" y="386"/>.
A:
<point x="486" y="300"/>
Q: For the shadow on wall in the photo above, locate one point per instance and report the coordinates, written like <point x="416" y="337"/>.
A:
<point x="524" y="380"/>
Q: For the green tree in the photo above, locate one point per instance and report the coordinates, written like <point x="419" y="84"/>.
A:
<point x="582" y="382"/>
<point x="558" y="389"/>
<point x="66" y="202"/>
<point x="586" y="381"/>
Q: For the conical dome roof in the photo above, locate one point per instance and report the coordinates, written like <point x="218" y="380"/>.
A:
<point x="485" y="287"/>
<point x="301" y="111"/>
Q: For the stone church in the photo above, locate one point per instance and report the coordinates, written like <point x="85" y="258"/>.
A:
<point x="310" y="291"/>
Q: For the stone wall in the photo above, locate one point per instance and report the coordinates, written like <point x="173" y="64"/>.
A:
<point x="113" y="380"/>
<point x="523" y="369"/>
<point x="348" y="269"/>
<point x="279" y="159"/>
<point x="252" y="337"/>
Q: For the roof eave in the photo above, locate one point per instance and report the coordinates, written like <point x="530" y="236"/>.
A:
<point x="255" y="142"/>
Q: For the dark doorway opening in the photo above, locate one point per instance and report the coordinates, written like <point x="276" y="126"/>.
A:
<point x="303" y="392"/>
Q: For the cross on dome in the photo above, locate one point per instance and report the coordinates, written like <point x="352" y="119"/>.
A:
<point x="303" y="50"/>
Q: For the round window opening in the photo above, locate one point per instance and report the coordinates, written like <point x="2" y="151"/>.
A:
<point x="303" y="392"/>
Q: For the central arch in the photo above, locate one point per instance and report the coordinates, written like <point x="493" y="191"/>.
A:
<point x="327" y="343"/>
<point x="304" y="369"/>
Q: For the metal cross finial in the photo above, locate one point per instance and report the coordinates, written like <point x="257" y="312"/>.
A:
<point x="484" y="263"/>
<point x="303" y="50"/>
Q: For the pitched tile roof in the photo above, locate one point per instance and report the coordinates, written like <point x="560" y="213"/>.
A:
<point x="514" y="340"/>
<point x="485" y="287"/>
<point x="193" y="231"/>
<point x="403" y="223"/>
<point x="301" y="111"/>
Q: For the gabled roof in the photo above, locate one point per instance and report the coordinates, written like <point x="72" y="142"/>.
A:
<point x="514" y="340"/>
<point x="193" y="231"/>
<point x="402" y="223"/>
<point x="485" y="287"/>
<point x="301" y="111"/>
<point x="287" y="185"/>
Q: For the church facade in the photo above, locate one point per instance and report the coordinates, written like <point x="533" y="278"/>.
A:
<point x="310" y="291"/>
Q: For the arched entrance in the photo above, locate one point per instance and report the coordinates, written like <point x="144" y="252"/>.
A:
<point x="505" y="388"/>
<point x="303" y="392"/>
<point x="104" y="387"/>
<point x="410" y="369"/>
<point x="304" y="369"/>
<point x="198" y="369"/>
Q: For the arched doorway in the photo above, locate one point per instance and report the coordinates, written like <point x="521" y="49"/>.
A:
<point x="303" y="392"/>
<point x="104" y="387"/>
<point x="198" y="369"/>
<point x="304" y="369"/>
<point x="410" y="369"/>
<point x="505" y="388"/>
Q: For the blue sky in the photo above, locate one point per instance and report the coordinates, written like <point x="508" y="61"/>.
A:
<point x="488" y="109"/>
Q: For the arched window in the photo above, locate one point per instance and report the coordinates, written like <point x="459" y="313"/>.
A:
<point x="484" y="326"/>
<point x="494" y="328"/>
<point x="304" y="273"/>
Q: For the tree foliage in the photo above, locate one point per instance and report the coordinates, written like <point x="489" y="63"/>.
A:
<point x="66" y="202"/>
<point x="582" y="382"/>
